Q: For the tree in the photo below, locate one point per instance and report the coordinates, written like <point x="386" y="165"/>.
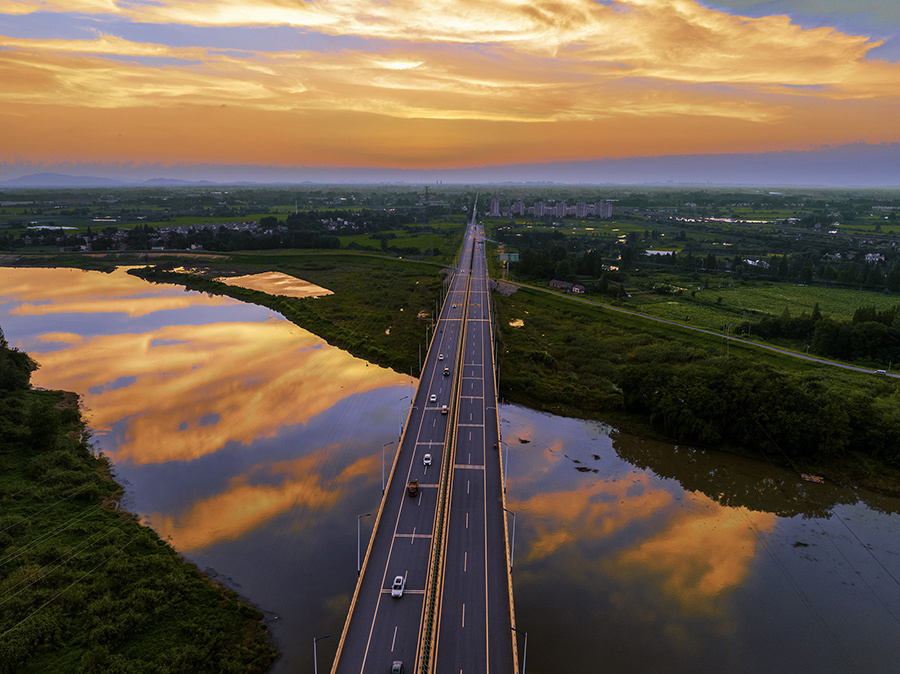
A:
<point x="15" y="367"/>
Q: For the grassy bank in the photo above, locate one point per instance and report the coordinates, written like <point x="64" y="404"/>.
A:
<point x="379" y="311"/>
<point x="577" y="360"/>
<point x="83" y="586"/>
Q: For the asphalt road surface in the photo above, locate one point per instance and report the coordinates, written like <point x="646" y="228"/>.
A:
<point x="381" y="629"/>
<point x="475" y="611"/>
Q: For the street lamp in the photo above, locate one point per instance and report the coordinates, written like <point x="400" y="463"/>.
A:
<point x="525" y="651"/>
<point x="358" y="564"/>
<point x="382" y="463"/>
<point x="400" y="418"/>
<point x="505" y="461"/>
<point x="315" y="660"/>
<point x="512" y="550"/>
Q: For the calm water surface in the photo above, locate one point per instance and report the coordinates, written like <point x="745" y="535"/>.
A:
<point x="252" y="446"/>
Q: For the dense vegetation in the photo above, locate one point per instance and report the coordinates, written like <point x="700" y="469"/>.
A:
<point x="871" y="336"/>
<point x="585" y="361"/>
<point x="83" y="586"/>
<point x="380" y="310"/>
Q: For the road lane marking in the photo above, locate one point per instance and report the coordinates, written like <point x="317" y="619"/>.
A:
<point x="465" y="562"/>
<point x="467" y="520"/>
<point x="394" y="640"/>
<point x="413" y="537"/>
<point x="464" y="616"/>
<point x="468" y="485"/>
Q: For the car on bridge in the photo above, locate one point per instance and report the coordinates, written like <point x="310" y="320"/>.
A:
<point x="397" y="667"/>
<point x="397" y="587"/>
<point x="426" y="460"/>
<point x="412" y="488"/>
<point x="440" y="356"/>
<point x="433" y="398"/>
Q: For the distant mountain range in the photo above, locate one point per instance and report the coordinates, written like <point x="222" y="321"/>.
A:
<point x="62" y="180"/>
<point x="854" y="165"/>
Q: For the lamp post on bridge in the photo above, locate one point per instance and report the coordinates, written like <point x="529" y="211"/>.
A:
<point x="315" y="659"/>
<point x="506" y="469"/>
<point x="400" y="420"/>
<point x="382" y="463"/>
<point x="525" y="651"/>
<point x="358" y="563"/>
<point x="512" y="550"/>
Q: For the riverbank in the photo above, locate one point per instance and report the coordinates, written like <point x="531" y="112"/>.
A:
<point x="665" y="382"/>
<point x="86" y="587"/>
<point x="582" y="361"/>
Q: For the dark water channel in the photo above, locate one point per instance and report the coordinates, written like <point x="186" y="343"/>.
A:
<point x="253" y="446"/>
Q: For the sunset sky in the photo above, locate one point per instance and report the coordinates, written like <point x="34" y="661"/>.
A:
<point x="439" y="83"/>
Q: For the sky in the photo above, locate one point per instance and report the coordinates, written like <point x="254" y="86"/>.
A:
<point x="430" y="84"/>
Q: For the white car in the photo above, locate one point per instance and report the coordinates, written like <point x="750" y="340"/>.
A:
<point x="426" y="460"/>
<point x="440" y="356"/>
<point x="397" y="587"/>
<point x="454" y="306"/>
<point x="433" y="398"/>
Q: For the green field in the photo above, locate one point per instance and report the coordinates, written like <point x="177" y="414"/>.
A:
<point x="373" y="313"/>
<point x="575" y="359"/>
<point x="749" y="301"/>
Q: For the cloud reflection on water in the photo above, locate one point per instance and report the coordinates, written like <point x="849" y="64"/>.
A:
<point x="247" y="503"/>
<point x="54" y="291"/>
<point x="256" y="377"/>
<point x="704" y="551"/>
<point x="670" y="546"/>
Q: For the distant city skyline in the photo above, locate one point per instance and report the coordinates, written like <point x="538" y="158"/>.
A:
<point x="440" y="86"/>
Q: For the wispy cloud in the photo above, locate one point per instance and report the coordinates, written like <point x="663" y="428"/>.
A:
<point x="557" y="62"/>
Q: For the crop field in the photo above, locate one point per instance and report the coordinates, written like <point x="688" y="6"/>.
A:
<point x="716" y="306"/>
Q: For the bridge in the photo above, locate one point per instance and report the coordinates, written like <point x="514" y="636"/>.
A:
<point x="442" y="523"/>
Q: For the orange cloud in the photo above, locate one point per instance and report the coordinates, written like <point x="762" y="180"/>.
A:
<point x="243" y="507"/>
<point x="251" y="378"/>
<point x="54" y="291"/>
<point x="593" y="511"/>
<point x="482" y="80"/>
<point x="705" y="550"/>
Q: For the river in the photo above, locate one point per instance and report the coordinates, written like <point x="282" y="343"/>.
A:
<point x="254" y="448"/>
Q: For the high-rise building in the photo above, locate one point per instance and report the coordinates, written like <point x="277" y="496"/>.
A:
<point x="538" y="209"/>
<point x="581" y="210"/>
<point x="518" y="208"/>
<point x="495" y="207"/>
<point x="561" y="209"/>
<point x="603" y="209"/>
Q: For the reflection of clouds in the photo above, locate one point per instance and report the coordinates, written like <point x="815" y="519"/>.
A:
<point x="256" y="377"/>
<point x="244" y="506"/>
<point x="704" y="550"/>
<point x="592" y="511"/>
<point x="276" y="283"/>
<point x="677" y="551"/>
<point x="56" y="291"/>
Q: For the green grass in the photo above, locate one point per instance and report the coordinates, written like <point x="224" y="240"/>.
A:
<point x="373" y="312"/>
<point x="574" y="359"/>
<point x="750" y="301"/>
<point x="85" y="587"/>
